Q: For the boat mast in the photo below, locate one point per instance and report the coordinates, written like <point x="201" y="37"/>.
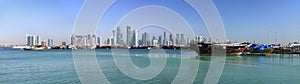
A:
<point x="275" y="37"/>
<point x="268" y="37"/>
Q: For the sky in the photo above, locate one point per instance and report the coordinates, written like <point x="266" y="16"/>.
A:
<point x="251" y="20"/>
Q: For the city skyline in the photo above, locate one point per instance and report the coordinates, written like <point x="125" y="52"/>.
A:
<point x="130" y="38"/>
<point x="244" y="20"/>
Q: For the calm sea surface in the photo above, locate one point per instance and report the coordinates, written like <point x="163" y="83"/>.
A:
<point x="57" y="66"/>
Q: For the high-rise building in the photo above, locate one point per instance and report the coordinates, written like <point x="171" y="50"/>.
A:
<point x="198" y="39"/>
<point x="84" y="40"/>
<point x="160" y="41"/>
<point x="182" y="39"/>
<point x="73" y="40"/>
<point x="91" y="40"/>
<point x="188" y="40"/>
<point x="134" y="38"/>
<point x="109" y="42"/>
<point x="44" y="43"/>
<point x="50" y="42"/>
<point x="148" y="40"/>
<point x="38" y="40"/>
<point x="177" y="39"/>
<point x="171" y="40"/>
<point x="140" y="42"/>
<point x="78" y="40"/>
<point x="29" y="40"/>
<point x="129" y="35"/>
<point x="164" y="38"/>
<point x="114" y="38"/>
<point x="112" y="41"/>
<point x="205" y="39"/>
<point x="168" y="43"/>
<point x="32" y="40"/>
<point x="64" y="43"/>
<point x="154" y="41"/>
<point x="119" y="36"/>
<point x="99" y="41"/>
<point x="144" y="39"/>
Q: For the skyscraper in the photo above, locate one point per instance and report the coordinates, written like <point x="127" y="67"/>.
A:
<point x="129" y="35"/>
<point x="160" y="41"/>
<point x="32" y="40"/>
<point x="198" y="39"/>
<point x="119" y="36"/>
<point x="44" y="43"/>
<point x="50" y="42"/>
<point x="171" y="40"/>
<point x="188" y="40"/>
<point x="182" y="39"/>
<point x="114" y="38"/>
<point x="140" y="42"/>
<point x="108" y="42"/>
<point x="164" y="39"/>
<point x="73" y="40"/>
<point x="177" y="39"/>
<point x="154" y="41"/>
<point x="91" y="40"/>
<point x="81" y="41"/>
<point x="134" y="38"/>
<point x="144" y="39"/>
<point x="38" y="40"/>
<point x="112" y="41"/>
<point x="99" y="41"/>
<point x="29" y="40"/>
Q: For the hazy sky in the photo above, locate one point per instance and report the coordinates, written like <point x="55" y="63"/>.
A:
<point x="243" y="19"/>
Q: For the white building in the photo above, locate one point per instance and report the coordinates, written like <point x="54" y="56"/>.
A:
<point x="84" y="40"/>
<point x="129" y="35"/>
<point x="134" y="38"/>
<point x="155" y="42"/>
<point x="32" y="40"/>
<point x="44" y="43"/>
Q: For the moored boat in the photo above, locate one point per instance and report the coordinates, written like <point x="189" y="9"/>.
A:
<point x="19" y="47"/>
<point x="36" y="48"/>
<point x="267" y="49"/>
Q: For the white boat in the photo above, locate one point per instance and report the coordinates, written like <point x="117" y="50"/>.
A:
<point x="20" y="47"/>
<point x="36" y="48"/>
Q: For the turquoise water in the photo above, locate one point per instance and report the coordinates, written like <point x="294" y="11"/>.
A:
<point x="56" y="66"/>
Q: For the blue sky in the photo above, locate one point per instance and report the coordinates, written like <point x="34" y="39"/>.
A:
<point x="243" y="19"/>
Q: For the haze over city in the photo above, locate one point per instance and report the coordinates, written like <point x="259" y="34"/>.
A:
<point x="243" y="19"/>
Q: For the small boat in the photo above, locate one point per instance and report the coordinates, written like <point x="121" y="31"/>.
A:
<point x="140" y="47"/>
<point x="263" y="49"/>
<point x="231" y="49"/>
<point x="236" y="48"/>
<point x="19" y="47"/>
<point x="36" y="48"/>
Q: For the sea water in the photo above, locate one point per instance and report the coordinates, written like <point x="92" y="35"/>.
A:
<point x="57" y="66"/>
